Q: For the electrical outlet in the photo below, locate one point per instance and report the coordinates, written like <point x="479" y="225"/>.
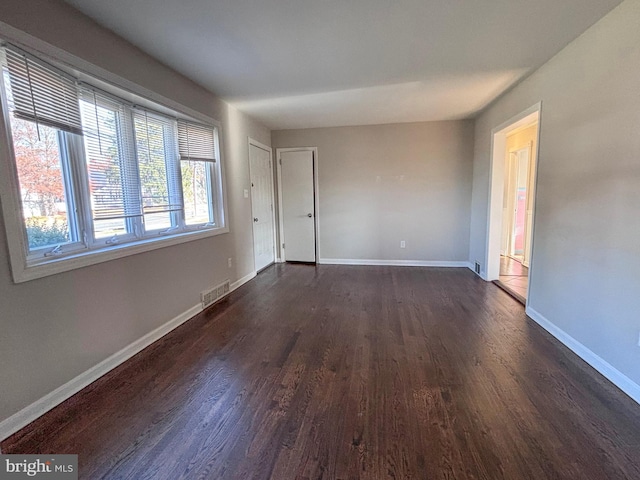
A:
<point x="230" y="262"/>
<point x="402" y="244"/>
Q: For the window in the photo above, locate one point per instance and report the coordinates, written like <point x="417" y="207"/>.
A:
<point x="44" y="186"/>
<point x="113" y="195"/>
<point x="96" y="173"/>
<point x="159" y="172"/>
<point x="197" y="164"/>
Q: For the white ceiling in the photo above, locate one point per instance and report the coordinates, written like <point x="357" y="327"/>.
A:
<point x="311" y="63"/>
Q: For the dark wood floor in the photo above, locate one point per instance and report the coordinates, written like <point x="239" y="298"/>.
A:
<point x="337" y="372"/>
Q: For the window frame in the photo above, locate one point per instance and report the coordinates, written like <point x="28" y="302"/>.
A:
<point x="214" y="193"/>
<point x="77" y="145"/>
<point x="75" y="244"/>
<point x="173" y="179"/>
<point x="88" y="250"/>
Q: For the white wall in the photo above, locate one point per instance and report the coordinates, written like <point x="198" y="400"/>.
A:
<point x="586" y="247"/>
<point x="381" y="184"/>
<point x="55" y="328"/>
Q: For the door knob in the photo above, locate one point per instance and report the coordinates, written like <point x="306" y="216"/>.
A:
<point x="309" y="215"/>
<point x="255" y="219"/>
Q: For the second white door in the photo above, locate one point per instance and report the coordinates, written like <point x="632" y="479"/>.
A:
<point x="298" y="206"/>
<point x="262" y="206"/>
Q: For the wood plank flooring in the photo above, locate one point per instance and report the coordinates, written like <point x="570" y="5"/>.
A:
<point x="511" y="267"/>
<point x="339" y="372"/>
<point x="514" y="278"/>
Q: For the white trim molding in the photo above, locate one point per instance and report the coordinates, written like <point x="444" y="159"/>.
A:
<point x="396" y="263"/>
<point x="495" y="194"/>
<point x="241" y="281"/>
<point x="38" y="408"/>
<point x="611" y="373"/>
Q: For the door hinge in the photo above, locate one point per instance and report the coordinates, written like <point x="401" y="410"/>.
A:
<point x="283" y="245"/>
<point x="280" y="160"/>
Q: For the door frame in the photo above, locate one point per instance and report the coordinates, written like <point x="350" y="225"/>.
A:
<point x="251" y="142"/>
<point x="316" y="199"/>
<point x="497" y="187"/>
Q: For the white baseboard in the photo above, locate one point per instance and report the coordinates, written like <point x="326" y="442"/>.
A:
<point x="616" y="377"/>
<point x="394" y="263"/>
<point x="38" y="408"/>
<point x="238" y="283"/>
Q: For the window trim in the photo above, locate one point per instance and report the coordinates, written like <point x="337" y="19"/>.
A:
<point x="22" y="266"/>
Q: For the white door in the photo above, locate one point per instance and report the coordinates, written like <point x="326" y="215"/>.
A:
<point x="262" y="206"/>
<point x="298" y="212"/>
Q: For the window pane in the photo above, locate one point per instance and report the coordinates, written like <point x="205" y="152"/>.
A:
<point x="196" y="192"/>
<point x="109" y="228"/>
<point x="155" y="146"/>
<point x="157" y="221"/>
<point x="105" y="168"/>
<point x="42" y="186"/>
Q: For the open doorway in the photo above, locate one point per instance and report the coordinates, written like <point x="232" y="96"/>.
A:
<point x="515" y="152"/>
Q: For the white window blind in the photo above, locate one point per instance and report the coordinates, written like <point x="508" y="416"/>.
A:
<point x="109" y="152"/>
<point x="196" y="142"/>
<point x="42" y="93"/>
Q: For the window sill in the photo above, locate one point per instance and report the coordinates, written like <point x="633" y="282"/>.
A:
<point x="93" y="257"/>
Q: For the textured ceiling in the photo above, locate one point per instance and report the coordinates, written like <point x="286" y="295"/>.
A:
<point x="303" y="63"/>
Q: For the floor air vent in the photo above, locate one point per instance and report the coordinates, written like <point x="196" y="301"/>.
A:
<point x="216" y="293"/>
